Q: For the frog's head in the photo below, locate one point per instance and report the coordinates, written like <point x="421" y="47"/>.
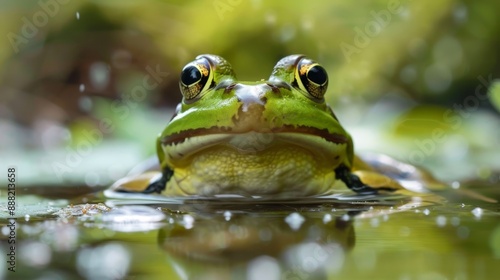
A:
<point x="285" y="112"/>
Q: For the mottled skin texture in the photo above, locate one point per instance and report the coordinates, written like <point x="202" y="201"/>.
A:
<point x="272" y="138"/>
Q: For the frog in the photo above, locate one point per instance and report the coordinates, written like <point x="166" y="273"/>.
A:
<point x="273" y="138"/>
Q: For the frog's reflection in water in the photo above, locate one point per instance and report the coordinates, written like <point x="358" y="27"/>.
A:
<point x="294" y="242"/>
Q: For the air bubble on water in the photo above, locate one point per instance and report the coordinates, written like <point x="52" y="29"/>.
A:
<point x="227" y="215"/>
<point x="385" y="218"/>
<point x="263" y="267"/>
<point x="345" y="217"/>
<point x="295" y="220"/>
<point x="455" y="185"/>
<point x="441" y="221"/>
<point x="171" y="220"/>
<point x="327" y="218"/>
<point x="188" y="221"/>
<point x="5" y="230"/>
<point x="477" y="212"/>
<point x="133" y="214"/>
<point x="77" y="15"/>
<point x="374" y="222"/>
<point x="426" y="211"/>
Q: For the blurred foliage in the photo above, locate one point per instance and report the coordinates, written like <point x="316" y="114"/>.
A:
<point x="66" y="65"/>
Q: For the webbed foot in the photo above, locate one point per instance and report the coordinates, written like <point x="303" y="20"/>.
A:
<point x="354" y="183"/>
<point x="159" y="184"/>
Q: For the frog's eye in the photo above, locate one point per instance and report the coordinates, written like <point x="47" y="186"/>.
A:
<point x="311" y="77"/>
<point x="196" y="77"/>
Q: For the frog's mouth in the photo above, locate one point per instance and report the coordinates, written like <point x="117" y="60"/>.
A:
<point x="320" y="143"/>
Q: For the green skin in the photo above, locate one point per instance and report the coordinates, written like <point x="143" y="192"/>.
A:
<point x="255" y="122"/>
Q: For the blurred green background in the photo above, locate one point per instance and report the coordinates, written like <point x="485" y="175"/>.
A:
<point x="414" y="79"/>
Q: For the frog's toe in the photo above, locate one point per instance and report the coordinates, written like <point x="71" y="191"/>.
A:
<point x="363" y="184"/>
<point x="377" y="181"/>
<point x="136" y="183"/>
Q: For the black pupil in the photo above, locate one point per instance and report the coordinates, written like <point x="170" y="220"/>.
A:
<point x="317" y="74"/>
<point x="190" y="75"/>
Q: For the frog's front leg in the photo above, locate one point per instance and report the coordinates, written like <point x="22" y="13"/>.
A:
<point x="159" y="184"/>
<point x="354" y="183"/>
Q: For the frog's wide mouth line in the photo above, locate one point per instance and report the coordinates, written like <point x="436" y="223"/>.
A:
<point x="190" y="133"/>
<point x="254" y="142"/>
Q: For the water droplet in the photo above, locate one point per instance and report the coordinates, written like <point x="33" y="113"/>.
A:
<point x="477" y="212"/>
<point x="81" y="88"/>
<point x="77" y="15"/>
<point x="327" y="218"/>
<point x="455" y="221"/>
<point x="295" y="220"/>
<point x="455" y="185"/>
<point x="27" y="217"/>
<point x="345" y="217"/>
<point x="441" y="221"/>
<point x="426" y="211"/>
<point x="188" y="221"/>
<point x="227" y="215"/>
<point x="374" y="222"/>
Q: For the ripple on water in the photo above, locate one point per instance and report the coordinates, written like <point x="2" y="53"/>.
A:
<point x="133" y="218"/>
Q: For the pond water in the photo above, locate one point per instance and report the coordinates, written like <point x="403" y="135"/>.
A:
<point x="338" y="238"/>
